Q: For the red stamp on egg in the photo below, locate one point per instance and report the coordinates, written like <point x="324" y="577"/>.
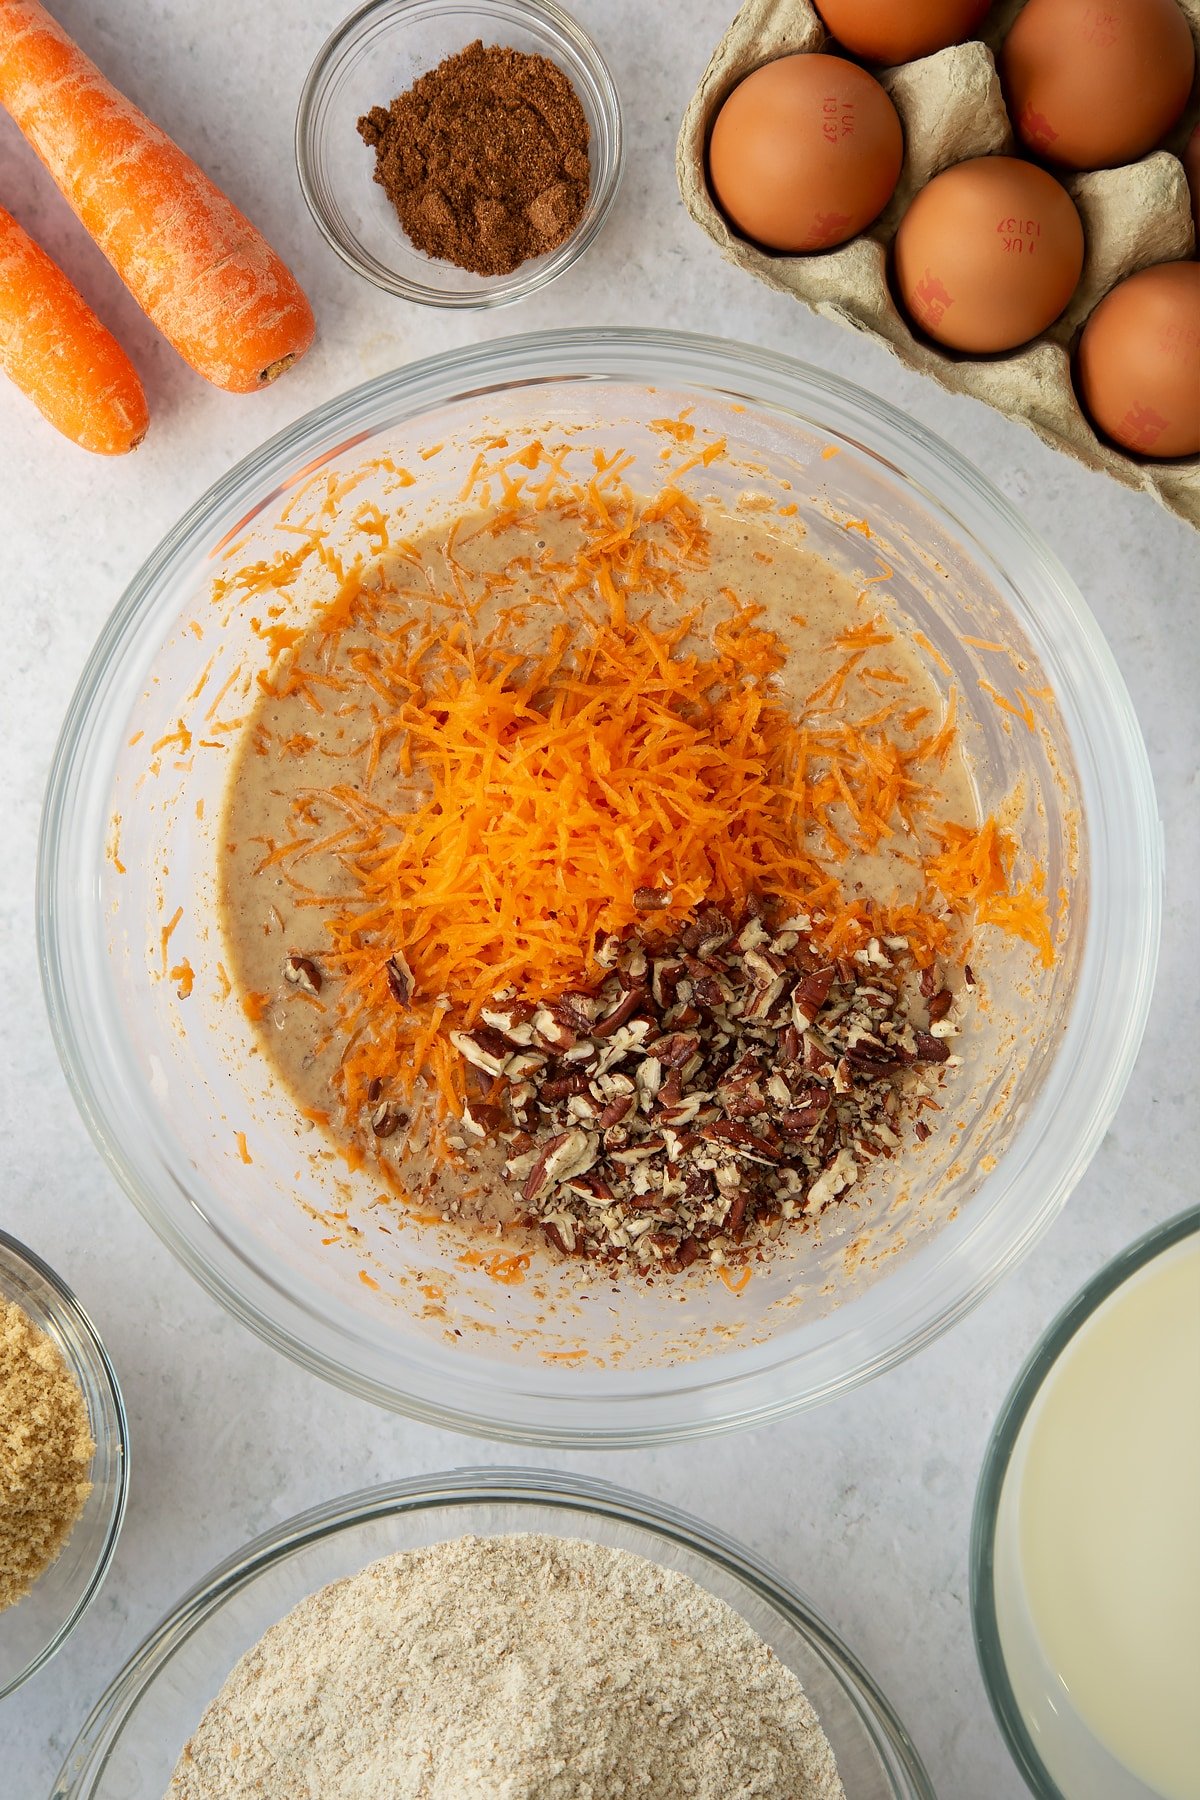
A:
<point x="829" y="228"/>
<point x="1099" y="27"/>
<point x="1141" y="427"/>
<point x="837" y="119"/>
<point x="930" y="300"/>
<point x="1036" y="129"/>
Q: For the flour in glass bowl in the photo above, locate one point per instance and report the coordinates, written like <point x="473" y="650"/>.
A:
<point x="526" y="1667"/>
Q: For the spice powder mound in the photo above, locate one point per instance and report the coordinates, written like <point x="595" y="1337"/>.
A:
<point x="45" y="1450"/>
<point x="485" y="158"/>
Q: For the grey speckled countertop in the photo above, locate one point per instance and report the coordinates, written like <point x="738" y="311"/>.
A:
<point x="865" y="1503"/>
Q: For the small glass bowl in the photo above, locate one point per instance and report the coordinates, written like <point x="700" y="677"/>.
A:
<point x="40" y="1623"/>
<point x="128" y="1747"/>
<point x="1062" y="1737"/>
<point x="379" y="52"/>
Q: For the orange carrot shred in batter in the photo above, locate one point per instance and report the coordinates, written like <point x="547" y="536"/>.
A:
<point x="166" y="934"/>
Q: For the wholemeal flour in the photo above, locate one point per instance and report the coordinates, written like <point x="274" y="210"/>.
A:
<point x="511" y="1668"/>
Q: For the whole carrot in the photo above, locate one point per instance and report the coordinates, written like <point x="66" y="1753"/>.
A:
<point x="207" y="278"/>
<point x="57" y="351"/>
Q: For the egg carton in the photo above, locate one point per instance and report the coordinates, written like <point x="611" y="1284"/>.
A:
<point x="952" y="108"/>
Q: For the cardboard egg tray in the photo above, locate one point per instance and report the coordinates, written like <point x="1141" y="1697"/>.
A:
<point x="952" y="108"/>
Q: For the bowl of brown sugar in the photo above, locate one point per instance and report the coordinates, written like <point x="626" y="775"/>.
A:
<point x="64" y="1464"/>
<point x="459" y="155"/>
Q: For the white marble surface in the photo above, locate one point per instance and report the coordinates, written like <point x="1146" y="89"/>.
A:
<point x="865" y="1503"/>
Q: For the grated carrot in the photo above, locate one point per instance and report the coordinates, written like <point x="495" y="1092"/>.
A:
<point x="166" y="933"/>
<point x="500" y="1266"/>
<point x="972" y="874"/>
<point x="539" y="789"/>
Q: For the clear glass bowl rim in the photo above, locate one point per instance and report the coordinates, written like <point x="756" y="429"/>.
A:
<point x="472" y="1487"/>
<point x="1001" y="1444"/>
<point x="567" y="36"/>
<point x="1120" y="969"/>
<point x="102" y="1369"/>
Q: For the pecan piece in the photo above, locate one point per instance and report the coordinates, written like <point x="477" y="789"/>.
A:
<point x="476" y="1051"/>
<point x="386" y="1119"/>
<point x="735" y="1221"/>
<point x="616" y="1110"/>
<point x="686" y="1254"/>
<point x="621" y="1013"/>
<point x="762" y="1002"/>
<point x="740" y="1139"/>
<point x="810" y="995"/>
<point x="553" y="1031"/>
<point x="399" y="978"/>
<point x="561" y="1087"/>
<point x="565" y="1154"/>
<point x="675" y="1049"/>
<point x="302" y="972"/>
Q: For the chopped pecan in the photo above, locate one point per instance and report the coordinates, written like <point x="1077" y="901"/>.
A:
<point x="621" y="1013"/>
<point x="399" y="978"/>
<point x="706" y="1088"/>
<point x="735" y="1219"/>
<point x="675" y="1049"/>
<point x="481" y="1055"/>
<point x="561" y="1087"/>
<point x="302" y="972"/>
<point x="809" y="996"/>
<point x="386" y="1119"/>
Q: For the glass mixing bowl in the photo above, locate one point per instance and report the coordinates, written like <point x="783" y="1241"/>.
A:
<point x="1053" y="1745"/>
<point x="40" y="1623"/>
<point x="128" y="1747"/>
<point x="205" y="1141"/>
<point x="378" y="52"/>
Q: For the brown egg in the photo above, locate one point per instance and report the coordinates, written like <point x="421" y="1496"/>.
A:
<point x="1137" y="368"/>
<point x="1091" y="86"/>
<point x="805" y="152"/>
<point x="896" y="31"/>
<point x="988" y="254"/>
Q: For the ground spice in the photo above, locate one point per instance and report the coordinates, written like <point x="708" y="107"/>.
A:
<point x="45" y="1450"/>
<point x="485" y="158"/>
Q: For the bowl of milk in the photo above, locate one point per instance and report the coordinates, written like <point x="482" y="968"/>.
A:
<point x="1085" y="1552"/>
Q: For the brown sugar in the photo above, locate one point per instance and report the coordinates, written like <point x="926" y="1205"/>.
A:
<point x="46" y="1447"/>
<point x="485" y="158"/>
